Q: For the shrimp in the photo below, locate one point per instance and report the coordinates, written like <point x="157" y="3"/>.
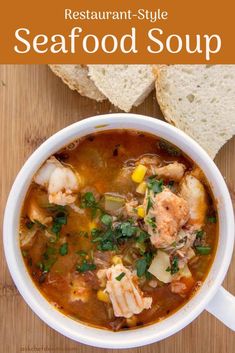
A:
<point x="166" y="217"/>
<point x="42" y="177"/>
<point x="173" y="171"/>
<point x="193" y="191"/>
<point x="126" y="297"/>
<point x="61" y="182"/>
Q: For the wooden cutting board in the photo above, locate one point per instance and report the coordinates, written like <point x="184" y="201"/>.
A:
<point x="33" y="105"/>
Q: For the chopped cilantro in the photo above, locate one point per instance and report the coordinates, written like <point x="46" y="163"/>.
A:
<point x="119" y="277"/>
<point x="61" y="218"/>
<point x="148" y="275"/>
<point x="63" y="249"/>
<point x="56" y="228"/>
<point x="86" y="266"/>
<point x="155" y="185"/>
<point x="174" y="265"/>
<point x="199" y="234"/>
<point x="49" y="251"/>
<point x="141" y="247"/>
<point x="169" y="148"/>
<point x="149" y="203"/>
<point x="107" y="246"/>
<point x="96" y="235"/>
<point x="56" y="208"/>
<point x="212" y="219"/>
<point x="143" y="264"/>
<point x="142" y="237"/>
<point x="110" y="237"/>
<point x="203" y="250"/>
<point x="152" y="222"/>
<point x="106" y="219"/>
<point x="48" y="264"/>
<point x="127" y="229"/>
<point x="48" y="259"/>
<point x="88" y="201"/>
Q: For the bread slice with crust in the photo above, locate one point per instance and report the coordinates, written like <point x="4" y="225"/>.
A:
<point x="200" y="100"/>
<point x="123" y="85"/>
<point x="76" y="77"/>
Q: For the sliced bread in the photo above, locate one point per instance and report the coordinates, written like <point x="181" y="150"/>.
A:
<point x="76" y="77"/>
<point x="123" y="85"/>
<point x="200" y="100"/>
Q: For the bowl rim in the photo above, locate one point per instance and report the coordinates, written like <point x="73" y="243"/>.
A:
<point x="56" y="319"/>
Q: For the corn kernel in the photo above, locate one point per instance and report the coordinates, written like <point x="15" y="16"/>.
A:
<point x="132" y="321"/>
<point x="103" y="296"/>
<point x="140" y="212"/>
<point x="139" y="173"/>
<point x="116" y="260"/>
<point x="92" y="225"/>
<point x="141" y="188"/>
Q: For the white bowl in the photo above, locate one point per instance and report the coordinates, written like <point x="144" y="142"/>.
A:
<point x="223" y="303"/>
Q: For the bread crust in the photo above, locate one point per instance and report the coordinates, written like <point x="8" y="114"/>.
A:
<point x="76" y="77"/>
<point x="200" y="100"/>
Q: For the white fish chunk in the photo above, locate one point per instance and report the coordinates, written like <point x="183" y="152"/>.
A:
<point x="193" y="191"/>
<point x="61" y="182"/>
<point x="63" y="186"/>
<point x="42" y="177"/>
<point x="168" y="214"/>
<point x="126" y="297"/>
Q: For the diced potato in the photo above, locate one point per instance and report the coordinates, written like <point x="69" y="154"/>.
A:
<point x="159" y="266"/>
<point x="185" y="272"/>
<point x="139" y="173"/>
<point x="141" y="188"/>
<point x="141" y="212"/>
<point x="132" y="321"/>
<point x="103" y="296"/>
<point x="116" y="260"/>
<point x="113" y="203"/>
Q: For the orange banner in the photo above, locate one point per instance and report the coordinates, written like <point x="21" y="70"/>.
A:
<point x="163" y="31"/>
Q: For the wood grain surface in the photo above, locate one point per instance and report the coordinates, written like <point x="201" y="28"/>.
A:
<point x="33" y="105"/>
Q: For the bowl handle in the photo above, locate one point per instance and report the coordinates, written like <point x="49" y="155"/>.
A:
<point x="222" y="306"/>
